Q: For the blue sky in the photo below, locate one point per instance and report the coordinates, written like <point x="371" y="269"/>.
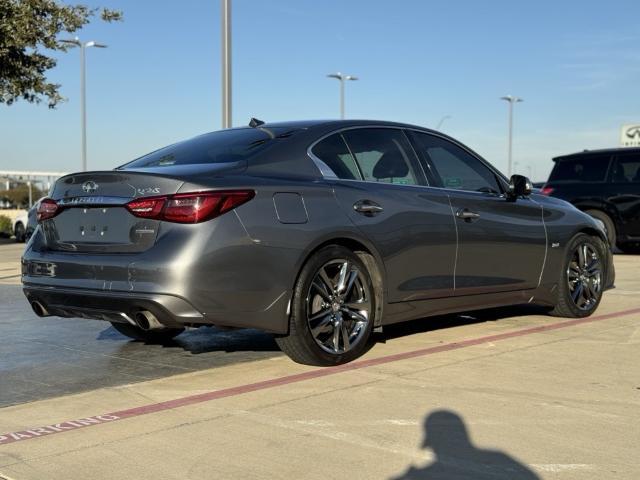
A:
<point x="576" y="64"/>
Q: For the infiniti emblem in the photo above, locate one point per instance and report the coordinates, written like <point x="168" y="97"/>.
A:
<point x="633" y="132"/>
<point x="90" y="186"/>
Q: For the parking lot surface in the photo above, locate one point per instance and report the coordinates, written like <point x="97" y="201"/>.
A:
<point x="507" y="393"/>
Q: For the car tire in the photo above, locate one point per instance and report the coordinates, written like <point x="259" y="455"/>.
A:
<point x="333" y="309"/>
<point x="608" y="224"/>
<point x="160" y="336"/>
<point x="19" y="232"/>
<point x="581" y="282"/>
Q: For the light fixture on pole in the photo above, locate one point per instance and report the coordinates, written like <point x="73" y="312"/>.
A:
<point x="83" y="90"/>
<point x="342" y="78"/>
<point x="225" y="27"/>
<point x="511" y="99"/>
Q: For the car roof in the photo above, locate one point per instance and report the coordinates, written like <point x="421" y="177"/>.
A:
<point x="600" y="151"/>
<point x="309" y="124"/>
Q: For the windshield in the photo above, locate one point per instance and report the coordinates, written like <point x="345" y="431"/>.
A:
<point x="224" y="146"/>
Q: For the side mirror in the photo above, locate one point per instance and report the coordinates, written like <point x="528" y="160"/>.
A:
<point x="519" y="186"/>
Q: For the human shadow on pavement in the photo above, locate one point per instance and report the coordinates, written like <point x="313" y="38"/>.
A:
<point x="456" y="458"/>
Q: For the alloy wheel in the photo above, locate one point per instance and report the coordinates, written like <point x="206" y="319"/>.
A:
<point x="584" y="276"/>
<point x="338" y="306"/>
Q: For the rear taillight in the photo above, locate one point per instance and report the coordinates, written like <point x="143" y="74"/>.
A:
<point x="47" y="208"/>
<point x="189" y="207"/>
<point x="147" y="207"/>
<point x="546" y="190"/>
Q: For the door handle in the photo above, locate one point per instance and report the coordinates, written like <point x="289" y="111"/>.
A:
<point x="367" y="207"/>
<point x="467" y="215"/>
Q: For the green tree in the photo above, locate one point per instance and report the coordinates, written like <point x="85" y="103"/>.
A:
<point x="19" y="196"/>
<point x="28" y="38"/>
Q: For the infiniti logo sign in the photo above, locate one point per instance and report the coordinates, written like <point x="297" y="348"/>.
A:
<point x="630" y="135"/>
<point x="89" y="187"/>
<point x="633" y="132"/>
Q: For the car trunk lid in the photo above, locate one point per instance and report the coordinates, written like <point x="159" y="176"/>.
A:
<point x="94" y="217"/>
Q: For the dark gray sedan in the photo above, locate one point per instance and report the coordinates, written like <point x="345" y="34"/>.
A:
<point x="316" y="231"/>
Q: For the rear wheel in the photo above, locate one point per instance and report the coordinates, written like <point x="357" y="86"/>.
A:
<point x="582" y="278"/>
<point x="332" y="310"/>
<point x="19" y="232"/>
<point x="609" y="227"/>
<point x="161" y="335"/>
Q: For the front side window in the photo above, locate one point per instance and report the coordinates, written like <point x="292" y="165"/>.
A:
<point x="334" y="154"/>
<point x="383" y="155"/>
<point x="626" y="169"/>
<point x="452" y="166"/>
<point x="588" y="168"/>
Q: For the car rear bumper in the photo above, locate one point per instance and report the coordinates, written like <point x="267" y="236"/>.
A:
<point x="169" y="310"/>
<point x="172" y="311"/>
<point x="214" y="274"/>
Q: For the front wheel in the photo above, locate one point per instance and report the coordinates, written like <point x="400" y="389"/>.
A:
<point x="161" y="335"/>
<point x="582" y="277"/>
<point x="332" y="310"/>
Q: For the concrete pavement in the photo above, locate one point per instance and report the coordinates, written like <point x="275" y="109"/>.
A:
<point x="561" y="403"/>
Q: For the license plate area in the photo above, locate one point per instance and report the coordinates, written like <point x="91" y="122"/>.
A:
<point x="95" y="225"/>
<point x="100" y="229"/>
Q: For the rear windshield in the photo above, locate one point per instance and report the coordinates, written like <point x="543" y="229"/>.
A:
<point x="224" y="146"/>
<point x="591" y="168"/>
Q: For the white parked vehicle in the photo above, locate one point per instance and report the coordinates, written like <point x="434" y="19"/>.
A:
<point x="20" y="226"/>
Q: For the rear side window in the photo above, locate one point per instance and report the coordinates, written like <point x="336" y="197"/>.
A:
<point x="591" y="168"/>
<point x="334" y="154"/>
<point x="224" y="146"/>
<point x="626" y="169"/>
<point x="383" y="155"/>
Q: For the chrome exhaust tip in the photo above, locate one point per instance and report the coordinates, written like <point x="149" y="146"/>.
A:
<point x="39" y="309"/>
<point x="146" y="321"/>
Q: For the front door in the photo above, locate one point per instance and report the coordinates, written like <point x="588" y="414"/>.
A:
<point x="501" y="243"/>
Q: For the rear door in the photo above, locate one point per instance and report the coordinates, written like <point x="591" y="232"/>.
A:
<point x="625" y="192"/>
<point x="501" y="243"/>
<point x="380" y="185"/>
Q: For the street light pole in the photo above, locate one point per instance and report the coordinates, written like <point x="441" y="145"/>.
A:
<point x="341" y="77"/>
<point x="226" y="63"/>
<point x="83" y="90"/>
<point x="83" y="103"/>
<point x="511" y="99"/>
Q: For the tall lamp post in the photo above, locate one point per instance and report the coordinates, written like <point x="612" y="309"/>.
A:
<point x="342" y="78"/>
<point x="511" y="99"/>
<point x="83" y="90"/>
<point x="226" y="62"/>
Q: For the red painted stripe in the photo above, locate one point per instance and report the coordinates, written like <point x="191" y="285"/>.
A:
<point x="299" y="377"/>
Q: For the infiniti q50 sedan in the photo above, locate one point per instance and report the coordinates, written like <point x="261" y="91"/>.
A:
<point x="316" y="231"/>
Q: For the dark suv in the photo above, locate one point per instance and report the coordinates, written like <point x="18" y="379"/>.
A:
<point x="606" y="185"/>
